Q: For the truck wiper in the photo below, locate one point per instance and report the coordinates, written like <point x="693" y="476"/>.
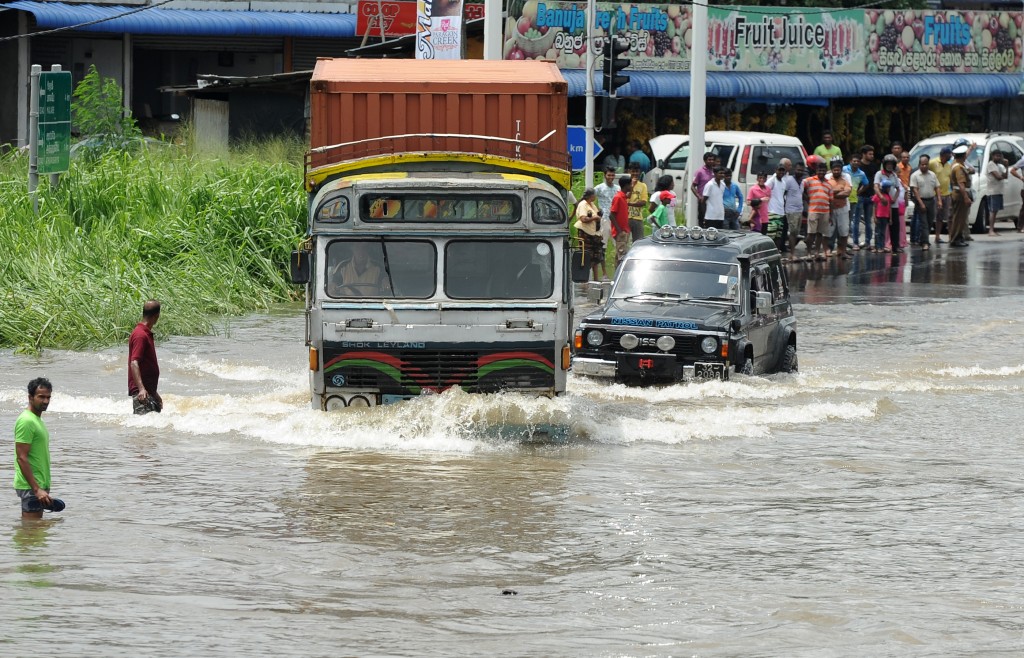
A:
<point x="387" y="266"/>
<point x="713" y="298"/>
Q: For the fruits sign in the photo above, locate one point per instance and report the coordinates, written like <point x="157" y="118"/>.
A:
<point x="658" y="35"/>
<point x="784" y="40"/>
<point x="923" y="41"/>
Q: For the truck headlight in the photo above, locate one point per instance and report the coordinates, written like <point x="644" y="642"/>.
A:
<point x="594" y="338"/>
<point x="708" y="345"/>
<point x="666" y="343"/>
<point x="629" y="341"/>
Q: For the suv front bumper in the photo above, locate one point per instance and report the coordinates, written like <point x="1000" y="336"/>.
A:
<point x="605" y="369"/>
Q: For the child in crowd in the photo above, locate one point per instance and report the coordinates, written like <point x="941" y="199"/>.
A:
<point x="883" y="212"/>
<point x="660" y="216"/>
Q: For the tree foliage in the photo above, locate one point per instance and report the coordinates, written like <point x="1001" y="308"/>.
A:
<point x="99" y="111"/>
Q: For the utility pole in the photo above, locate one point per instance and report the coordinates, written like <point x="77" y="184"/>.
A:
<point x="698" y="103"/>
<point x="588" y="146"/>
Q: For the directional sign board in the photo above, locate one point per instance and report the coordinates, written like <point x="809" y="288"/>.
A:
<point x="54" y="145"/>
<point x="577" y="137"/>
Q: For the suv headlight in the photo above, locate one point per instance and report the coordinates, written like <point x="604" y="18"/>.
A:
<point x="629" y="341"/>
<point x="708" y="345"/>
<point x="594" y="338"/>
<point x="666" y="343"/>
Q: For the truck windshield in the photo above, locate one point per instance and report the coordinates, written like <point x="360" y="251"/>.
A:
<point x="381" y="268"/>
<point x="499" y="269"/>
<point x="664" y="280"/>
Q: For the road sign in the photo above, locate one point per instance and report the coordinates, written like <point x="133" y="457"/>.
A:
<point x="577" y="137"/>
<point x="54" y="145"/>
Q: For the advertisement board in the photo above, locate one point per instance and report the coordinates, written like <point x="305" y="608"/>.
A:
<point x="657" y="34"/>
<point x="399" y="16"/>
<point x="785" y="40"/>
<point x="767" y="39"/>
<point x="924" y="41"/>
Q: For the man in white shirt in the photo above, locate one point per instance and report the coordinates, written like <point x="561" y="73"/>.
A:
<point x="995" y="174"/>
<point x="605" y="193"/>
<point x="714" y="213"/>
<point x="924" y="190"/>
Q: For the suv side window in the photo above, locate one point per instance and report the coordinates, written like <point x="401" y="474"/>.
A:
<point x="759" y="281"/>
<point x="724" y="153"/>
<point x="678" y="158"/>
<point x="1015" y="154"/>
<point x="779" y="288"/>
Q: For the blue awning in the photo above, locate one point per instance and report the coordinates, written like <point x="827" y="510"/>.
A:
<point x="189" y="21"/>
<point x="789" y="87"/>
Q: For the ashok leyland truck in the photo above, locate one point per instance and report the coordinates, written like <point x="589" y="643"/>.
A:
<point x="437" y="249"/>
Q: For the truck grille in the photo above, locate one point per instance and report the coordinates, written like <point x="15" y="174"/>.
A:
<point x="413" y="371"/>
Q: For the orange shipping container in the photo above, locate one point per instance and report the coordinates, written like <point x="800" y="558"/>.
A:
<point x="360" y="100"/>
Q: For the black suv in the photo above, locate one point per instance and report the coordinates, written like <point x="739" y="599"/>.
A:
<point x="692" y="304"/>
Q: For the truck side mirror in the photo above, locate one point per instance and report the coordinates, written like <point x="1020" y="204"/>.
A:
<point x="299" y="267"/>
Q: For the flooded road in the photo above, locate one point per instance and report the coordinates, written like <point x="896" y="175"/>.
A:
<point x="869" y="505"/>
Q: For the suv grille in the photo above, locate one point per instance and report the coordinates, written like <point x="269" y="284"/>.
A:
<point x="687" y="346"/>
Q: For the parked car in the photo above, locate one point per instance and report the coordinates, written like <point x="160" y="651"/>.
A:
<point x="746" y="153"/>
<point x="1012" y="147"/>
<point x="692" y="304"/>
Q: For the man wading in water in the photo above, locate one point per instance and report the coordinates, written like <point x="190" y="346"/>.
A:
<point x="143" y="369"/>
<point x="32" y="454"/>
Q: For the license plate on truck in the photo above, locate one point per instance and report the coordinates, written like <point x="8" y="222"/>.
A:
<point x="709" y="370"/>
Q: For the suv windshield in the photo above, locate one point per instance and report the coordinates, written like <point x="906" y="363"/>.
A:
<point x="667" y="280"/>
<point x="932" y="151"/>
<point x="499" y="269"/>
<point x="380" y="268"/>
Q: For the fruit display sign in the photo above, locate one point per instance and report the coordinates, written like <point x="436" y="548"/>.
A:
<point x="658" y="35"/>
<point x="785" y="40"/>
<point x="923" y="41"/>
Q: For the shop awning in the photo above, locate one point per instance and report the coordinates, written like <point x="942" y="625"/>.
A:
<point x="792" y="87"/>
<point x="188" y="21"/>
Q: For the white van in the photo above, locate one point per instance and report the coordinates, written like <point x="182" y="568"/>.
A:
<point x="746" y="153"/>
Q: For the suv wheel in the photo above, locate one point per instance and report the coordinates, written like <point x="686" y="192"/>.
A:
<point x="789" y="362"/>
<point x="747" y="368"/>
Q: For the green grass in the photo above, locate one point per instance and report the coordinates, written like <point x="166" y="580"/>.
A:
<point x="208" y="237"/>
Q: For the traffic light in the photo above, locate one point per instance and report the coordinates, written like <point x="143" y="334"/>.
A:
<point x="613" y="63"/>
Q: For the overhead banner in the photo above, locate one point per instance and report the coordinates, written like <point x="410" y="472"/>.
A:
<point x="785" y="40"/>
<point x="439" y="29"/>
<point x="924" y="41"/>
<point x="772" y="39"/>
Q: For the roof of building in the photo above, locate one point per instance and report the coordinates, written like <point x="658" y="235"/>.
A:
<point x="147" y="19"/>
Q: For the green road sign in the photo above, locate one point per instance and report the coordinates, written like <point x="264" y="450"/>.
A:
<point x="54" y="146"/>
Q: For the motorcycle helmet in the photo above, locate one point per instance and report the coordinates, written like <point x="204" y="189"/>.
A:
<point x="889" y="159"/>
<point x="836" y="162"/>
<point x="961" y="141"/>
<point x="812" y="162"/>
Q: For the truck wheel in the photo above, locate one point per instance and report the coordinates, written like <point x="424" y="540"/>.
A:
<point x="747" y="368"/>
<point x="789" y="362"/>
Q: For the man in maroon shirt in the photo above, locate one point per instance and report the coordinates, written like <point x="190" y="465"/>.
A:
<point x="143" y="370"/>
<point x="620" y="218"/>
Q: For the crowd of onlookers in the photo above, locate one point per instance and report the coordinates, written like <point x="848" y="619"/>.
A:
<point x="835" y="204"/>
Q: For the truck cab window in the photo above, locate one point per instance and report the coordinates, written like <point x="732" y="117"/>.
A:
<point x="380" y="268"/>
<point x="505" y="269"/>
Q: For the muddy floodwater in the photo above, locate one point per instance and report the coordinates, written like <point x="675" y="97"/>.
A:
<point x="869" y="505"/>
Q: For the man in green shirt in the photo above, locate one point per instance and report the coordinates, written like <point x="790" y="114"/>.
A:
<point x="32" y="454"/>
<point x="827" y="149"/>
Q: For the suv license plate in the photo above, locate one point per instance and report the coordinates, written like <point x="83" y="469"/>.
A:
<point x="709" y="371"/>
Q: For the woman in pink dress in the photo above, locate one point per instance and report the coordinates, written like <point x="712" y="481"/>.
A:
<point x="757" y="199"/>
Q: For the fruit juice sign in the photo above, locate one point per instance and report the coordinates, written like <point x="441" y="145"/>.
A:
<point x="658" y="35"/>
<point x="785" y="40"/>
<point x="923" y="41"/>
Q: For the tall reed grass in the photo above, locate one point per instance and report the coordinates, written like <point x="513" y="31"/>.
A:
<point x="208" y="237"/>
